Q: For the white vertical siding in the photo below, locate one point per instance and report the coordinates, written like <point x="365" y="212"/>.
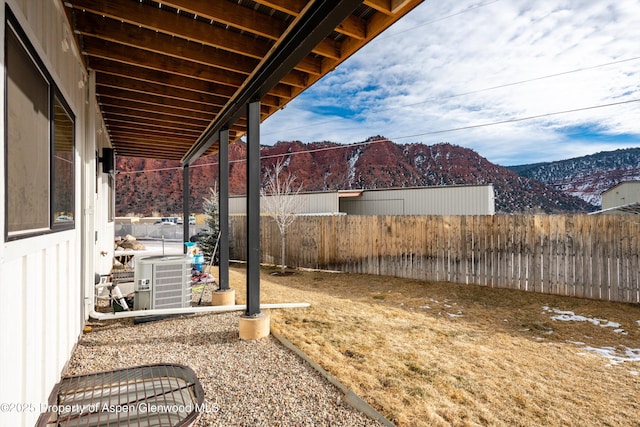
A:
<point x="40" y="320"/>
<point x="40" y="277"/>
<point x="105" y="229"/>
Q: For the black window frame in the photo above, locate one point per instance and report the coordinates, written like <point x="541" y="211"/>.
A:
<point x="12" y="25"/>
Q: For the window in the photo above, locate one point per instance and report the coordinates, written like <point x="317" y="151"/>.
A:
<point x="40" y="144"/>
<point x="63" y="166"/>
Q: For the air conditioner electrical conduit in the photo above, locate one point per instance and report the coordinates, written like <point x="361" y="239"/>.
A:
<point x="189" y="310"/>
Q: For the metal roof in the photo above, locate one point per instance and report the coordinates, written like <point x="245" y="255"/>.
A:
<point x="170" y="73"/>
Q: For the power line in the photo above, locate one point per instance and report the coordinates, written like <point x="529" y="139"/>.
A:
<point x="442" y="18"/>
<point x="521" y="119"/>
<point x="435" y="132"/>
<point x="471" y="92"/>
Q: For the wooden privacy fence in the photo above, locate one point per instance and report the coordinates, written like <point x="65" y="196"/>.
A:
<point x="593" y="256"/>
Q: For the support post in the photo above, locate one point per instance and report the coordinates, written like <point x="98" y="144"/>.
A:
<point x="253" y="209"/>
<point x="223" y="206"/>
<point x="186" y="195"/>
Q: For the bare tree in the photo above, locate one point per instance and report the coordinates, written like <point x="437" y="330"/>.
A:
<point x="279" y="198"/>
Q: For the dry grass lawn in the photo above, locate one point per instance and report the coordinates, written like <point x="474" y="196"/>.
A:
<point x="434" y="354"/>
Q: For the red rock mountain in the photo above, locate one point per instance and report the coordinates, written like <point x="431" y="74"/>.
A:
<point x="153" y="186"/>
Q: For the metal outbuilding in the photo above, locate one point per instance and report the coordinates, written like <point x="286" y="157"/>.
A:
<point x="439" y="200"/>
<point x="623" y="198"/>
<point x="624" y="193"/>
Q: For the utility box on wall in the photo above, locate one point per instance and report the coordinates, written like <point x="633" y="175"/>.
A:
<point x="162" y="281"/>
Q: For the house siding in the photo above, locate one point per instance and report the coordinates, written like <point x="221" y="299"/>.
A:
<point x="44" y="278"/>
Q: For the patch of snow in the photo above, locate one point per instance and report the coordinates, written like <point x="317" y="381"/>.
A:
<point x="629" y="354"/>
<point x="426" y="307"/>
<point x="352" y="166"/>
<point x="570" y="316"/>
<point x="610" y="324"/>
<point x="458" y="314"/>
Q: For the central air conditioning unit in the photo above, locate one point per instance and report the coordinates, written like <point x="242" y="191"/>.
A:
<point x="162" y="281"/>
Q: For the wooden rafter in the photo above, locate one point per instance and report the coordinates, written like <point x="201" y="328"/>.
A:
<point x="166" y="68"/>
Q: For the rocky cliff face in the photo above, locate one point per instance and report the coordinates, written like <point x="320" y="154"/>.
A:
<point x="322" y="166"/>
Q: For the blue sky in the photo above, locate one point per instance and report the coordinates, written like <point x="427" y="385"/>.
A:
<point x="563" y="77"/>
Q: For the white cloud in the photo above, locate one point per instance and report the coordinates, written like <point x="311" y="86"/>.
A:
<point x="428" y="73"/>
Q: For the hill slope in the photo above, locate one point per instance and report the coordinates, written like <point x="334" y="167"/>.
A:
<point x="323" y="166"/>
<point x="586" y="177"/>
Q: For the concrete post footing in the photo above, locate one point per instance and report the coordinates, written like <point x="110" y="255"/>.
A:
<point x="254" y="327"/>
<point x="223" y="297"/>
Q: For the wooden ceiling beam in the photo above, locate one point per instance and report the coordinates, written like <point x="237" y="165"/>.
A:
<point x="169" y="72"/>
<point x="133" y="56"/>
<point x="172" y="80"/>
<point x="234" y="134"/>
<point x="317" y="21"/>
<point x="174" y="24"/>
<point x="118" y="130"/>
<point x="123" y="131"/>
<point x="110" y="30"/>
<point x="234" y="15"/>
<point x="135" y="36"/>
<point x="389" y="7"/>
<point x="376" y="25"/>
<point x="121" y="108"/>
<point x="127" y="103"/>
<point x="352" y="26"/>
<point x="382" y="6"/>
<point x="170" y="124"/>
<point x="291" y="7"/>
<point x="310" y="65"/>
<point x="162" y="140"/>
<point x="157" y="19"/>
<point x="131" y="149"/>
<point x="113" y="81"/>
<point x="155" y="100"/>
<point x="152" y="144"/>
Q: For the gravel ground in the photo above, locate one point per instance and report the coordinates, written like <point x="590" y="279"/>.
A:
<point x="246" y="383"/>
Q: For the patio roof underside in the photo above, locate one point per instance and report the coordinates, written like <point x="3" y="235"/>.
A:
<point x="170" y="72"/>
